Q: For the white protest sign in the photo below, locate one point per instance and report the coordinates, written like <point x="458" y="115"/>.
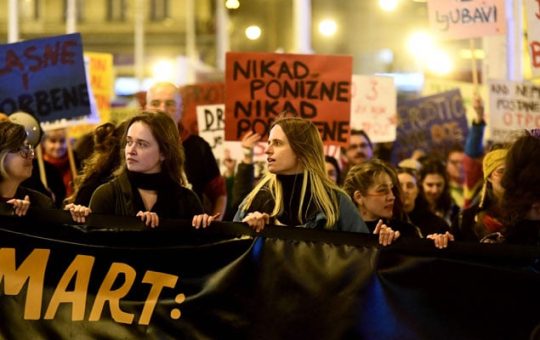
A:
<point x="373" y="107"/>
<point x="514" y="106"/>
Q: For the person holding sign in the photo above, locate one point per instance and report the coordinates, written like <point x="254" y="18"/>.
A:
<point x="296" y="190"/>
<point x="149" y="182"/>
<point x="201" y="167"/>
<point x="16" y="157"/>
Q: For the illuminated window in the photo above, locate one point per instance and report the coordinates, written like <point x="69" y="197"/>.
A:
<point x="116" y="10"/>
<point x="159" y="10"/>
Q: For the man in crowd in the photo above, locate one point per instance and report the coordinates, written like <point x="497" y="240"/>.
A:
<point x="359" y="150"/>
<point x="202" y="170"/>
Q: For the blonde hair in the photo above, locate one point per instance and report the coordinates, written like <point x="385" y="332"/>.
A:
<point x="307" y="145"/>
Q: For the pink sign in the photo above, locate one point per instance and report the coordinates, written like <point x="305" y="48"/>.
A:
<point x="461" y="19"/>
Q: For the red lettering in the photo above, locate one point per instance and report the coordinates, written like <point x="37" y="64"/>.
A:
<point x="68" y="56"/>
<point x="507" y="118"/>
<point x="535" y="53"/>
<point x="538" y="13"/>
<point x="12" y="61"/>
<point x="29" y="54"/>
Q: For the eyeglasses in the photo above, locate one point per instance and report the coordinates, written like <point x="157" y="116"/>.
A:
<point x="25" y="151"/>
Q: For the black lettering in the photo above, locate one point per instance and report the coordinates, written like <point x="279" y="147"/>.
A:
<point x="8" y="106"/>
<point x="255" y="85"/>
<point x="43" y="107"/>
<point x="25" y="103"/>
<point x="300" y="70"/>
<point x="241" y="110"/>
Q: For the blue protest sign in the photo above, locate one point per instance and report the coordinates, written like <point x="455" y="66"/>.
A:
<point x="44" y="77"/>
<point x="433" y="124"/>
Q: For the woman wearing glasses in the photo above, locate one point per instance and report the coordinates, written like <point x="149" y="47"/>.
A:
<point x="374" y="187"/>
<point x="16" y="157"/>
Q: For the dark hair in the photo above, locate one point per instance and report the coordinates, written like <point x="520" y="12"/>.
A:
<point x="362" y="133"/>
<point x="429" y="167"/>
<point x="521" y="179"/>
<point x="12" y="137"/>
<point x="334" y="162"/>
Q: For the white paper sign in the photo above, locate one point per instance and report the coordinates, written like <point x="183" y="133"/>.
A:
<point x="373" y="107"/>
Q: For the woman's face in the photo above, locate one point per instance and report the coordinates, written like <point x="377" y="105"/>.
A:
<point x="409" y="189"/>
<point x="433" y="186"/>
<point x="18" y="164"/>
<point x="331" y="171"/>
<point x="54" y="143"/>
<point x="142" y="150"/>
<point x="281" y="159"/>
<point x="378" y="202"/>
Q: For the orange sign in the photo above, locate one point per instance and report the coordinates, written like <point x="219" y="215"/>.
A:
<point x="199" y="94"/>
<point x="259" y="87"/>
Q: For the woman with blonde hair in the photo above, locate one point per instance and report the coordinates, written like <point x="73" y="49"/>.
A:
<point x="296" y="190"/>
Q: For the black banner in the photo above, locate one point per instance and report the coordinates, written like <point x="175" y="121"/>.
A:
<point x="115" y="279"/>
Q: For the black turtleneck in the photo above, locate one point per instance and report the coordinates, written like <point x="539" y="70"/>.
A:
<point x="292" y="189"/>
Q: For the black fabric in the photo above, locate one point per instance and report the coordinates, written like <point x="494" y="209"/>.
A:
<point x="292" y="190"/>
<point x="428" y="222"/>
<point x="119" y="197"/>
<point x="405" y="229"/>
<point x="288" y="283"/>
<point x="201" y="166"/>
<point x="157" y="181"/>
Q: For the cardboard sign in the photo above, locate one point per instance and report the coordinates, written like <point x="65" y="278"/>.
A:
<point x="514" y="106"/>
<point x="44" y="77"/>
<point x="532" y="8"/>
<point x="211" y="122"/>
<point x="460" y="19"/>
<point x="199" y="94"/>
<point x="260" y="86"/>
<point x="433" y="123"/>
<point x="373" y="107"/>
<point x="100" y="76"/>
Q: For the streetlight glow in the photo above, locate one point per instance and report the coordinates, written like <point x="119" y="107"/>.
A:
<point x="388" y="5"/>
<point x="232" y="4"/>
<point x="164" y="70"/>
<point x="253" y="32"/>
<point x="328" y="27"/>
<point x="439" y="62"/>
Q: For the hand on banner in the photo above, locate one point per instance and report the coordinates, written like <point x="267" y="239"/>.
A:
<point x="20" y="207"/>
<point x="150" y="219"/>
<point x="386" y="234"/>
<point x="257" y="220"/>
<point x="203" y="220"/>
<point x="441" y="240"/>
<point x="79" y="213"/>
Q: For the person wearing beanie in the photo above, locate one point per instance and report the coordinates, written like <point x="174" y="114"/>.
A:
<point x="485" y="217"/>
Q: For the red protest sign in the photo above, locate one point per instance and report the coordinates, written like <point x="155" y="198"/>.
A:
<point x="260" y="86"/>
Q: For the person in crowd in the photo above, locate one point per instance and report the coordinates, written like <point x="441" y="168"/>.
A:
<point x="472" y="159"/>
<point x="521" y="183"/>
<point x="16" y="157"/>
<point x="55" y="153"/>
<point x="374" y="187"/>
<point x="485" y="217"/>
<point x="427" y="221"/>
<point x="201" y="167"/>
<point x="456" y="174"/>
<point x="434" y="191"/>
<point x="99" y="167"/>
<point x="296" y="190"/>
<point x="332" y="169"/>
<point x="360" y="149"/>
<point x="149" y="182"/>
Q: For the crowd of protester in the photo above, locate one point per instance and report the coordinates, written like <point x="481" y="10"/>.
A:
<point x="150" y="167"/>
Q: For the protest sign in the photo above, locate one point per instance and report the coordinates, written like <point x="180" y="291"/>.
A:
<point x="460" y="19"/>
<point x="532" y="8"/>
<point x="211" y="123"/>
<point x="44" y="77"/>
<point x="199" y="94"/>
<point x="433" y="124"/>
<point x="100" y="76"/>
<point x="514" y="106"/>
<point x="373" y="107"/>
<point x="261" y="86"/>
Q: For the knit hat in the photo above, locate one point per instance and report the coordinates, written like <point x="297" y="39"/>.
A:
<point x="492" y="160"/>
